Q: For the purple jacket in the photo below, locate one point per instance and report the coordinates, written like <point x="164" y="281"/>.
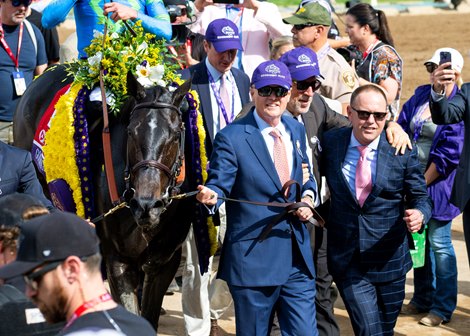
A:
<point x="445" y="153"/>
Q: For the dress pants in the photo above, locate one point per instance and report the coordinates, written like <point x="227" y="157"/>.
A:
<point x="293" y="302"/>
<point x="373" y="307"/>
<point x="466" y="228"/>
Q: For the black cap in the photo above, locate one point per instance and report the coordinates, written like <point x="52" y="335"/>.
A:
<point x="51" y="237"/>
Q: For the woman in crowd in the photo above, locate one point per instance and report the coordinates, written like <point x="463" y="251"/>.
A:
<point x="368" y="31"/>
<point x="281" y="45"/>
<point x="439" y="149"/>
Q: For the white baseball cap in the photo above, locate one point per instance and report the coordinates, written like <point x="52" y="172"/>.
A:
<point x="457" y="59"/>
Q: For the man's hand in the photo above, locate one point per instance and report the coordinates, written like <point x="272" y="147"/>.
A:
<point x="414" y="220"/>
<point x="398" y="138"/>
<point x="206" y="196"/>
<point x="120" y="11"/>
<point x="250" y="4"/>
<point x="305" y="173"/>
<point x="304" y="213"/>
<point x="443" y="77"/>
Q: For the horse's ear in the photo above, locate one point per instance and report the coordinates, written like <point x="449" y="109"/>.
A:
<point x="134" y="88"/>
<point x="180" y="92"/>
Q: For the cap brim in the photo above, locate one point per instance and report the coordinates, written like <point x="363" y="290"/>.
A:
<point x="17" y="268"/>
<point x="221" y="46"/>
<point x="271" y="81"/>
<point x="303" y="74"/>
<point x="294" y="20"/>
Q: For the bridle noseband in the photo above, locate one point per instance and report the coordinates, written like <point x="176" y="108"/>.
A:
<point x="172" y="173"/>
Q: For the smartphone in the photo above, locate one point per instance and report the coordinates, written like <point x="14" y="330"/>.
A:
<point x="445" y="57"/>
<point x="233" y="2"/>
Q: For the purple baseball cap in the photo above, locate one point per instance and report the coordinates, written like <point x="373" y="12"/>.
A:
<point x="302" y="63"/>
<point x="223" y="34"/>
<point x="271" y="73"/>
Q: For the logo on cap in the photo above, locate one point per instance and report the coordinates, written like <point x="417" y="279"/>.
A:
<point x="301" y="10"/>
<point x="227" y="30"/>
<point x="272" y="69"/>
<point x="304" y="59"/>
<point x="46" y="253"/>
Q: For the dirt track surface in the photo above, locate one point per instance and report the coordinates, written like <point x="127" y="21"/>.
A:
<point x="416" y="38"/>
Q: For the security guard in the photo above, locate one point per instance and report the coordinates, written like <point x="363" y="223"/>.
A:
<point x="310" y="28"/>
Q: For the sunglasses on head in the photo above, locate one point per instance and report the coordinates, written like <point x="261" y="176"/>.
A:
<point x="33" y="279"/>
<point x="303" y="26"/>
<point x="18" y="3"/>
<point x="365" y="115"/>
<point x="304" y="85"/>
<point x="430" y="67"/>
<point x="266" y="91"/>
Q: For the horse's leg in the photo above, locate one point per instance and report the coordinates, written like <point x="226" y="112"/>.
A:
<point x="157" y="280"/>
<point x="123" y="278"/>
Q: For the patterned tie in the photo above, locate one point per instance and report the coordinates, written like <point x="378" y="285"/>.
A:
<point x="225" y="96"/>
<point x="363" y="176"/>
<point x="280" y="156"/>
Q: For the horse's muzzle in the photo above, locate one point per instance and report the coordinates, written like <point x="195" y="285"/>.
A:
<point x="147" y="211"/>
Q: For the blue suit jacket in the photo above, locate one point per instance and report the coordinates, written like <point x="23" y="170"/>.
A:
<point x="17" y="174"/>
<point x="242" y="168"/>
<point x="374" y="237"/>
<point x="200" y="83"/>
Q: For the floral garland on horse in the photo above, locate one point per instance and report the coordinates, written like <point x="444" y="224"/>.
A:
<point x="66" y="143"/>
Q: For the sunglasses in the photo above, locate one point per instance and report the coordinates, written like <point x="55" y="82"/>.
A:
<point x="266" y="91"/>
<point x="365" y="115"/>
<point x="430" y="67"/>
<point x="33" y="279"/>
<point x="303" y="26"/>
<point x="18" y="3"/>
<point x="304" y="85"/>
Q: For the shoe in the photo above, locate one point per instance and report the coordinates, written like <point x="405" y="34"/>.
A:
<point x="214" y="328"/>
<point x="410" y="309"/>
<point x="431" y="320"/>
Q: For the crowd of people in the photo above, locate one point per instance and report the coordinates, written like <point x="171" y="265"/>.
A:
<point x="281" y="108"/>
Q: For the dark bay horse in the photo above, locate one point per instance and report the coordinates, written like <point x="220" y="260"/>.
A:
<point x="146" y="139"/>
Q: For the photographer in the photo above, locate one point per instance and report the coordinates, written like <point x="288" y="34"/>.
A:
<point x="185" y="45"/>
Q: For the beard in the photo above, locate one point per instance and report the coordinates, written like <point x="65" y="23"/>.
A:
<point x="54" y="311"/>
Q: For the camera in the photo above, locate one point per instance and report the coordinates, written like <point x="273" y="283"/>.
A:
<point x="175" y="11"/>
<point x="350" y="53"/>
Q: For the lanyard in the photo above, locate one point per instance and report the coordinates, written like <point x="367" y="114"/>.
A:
<point x="88" y="305"/>
<point x="369" y="49"/>
<point x="7" y="47"/>
<point x="223" y="109"/>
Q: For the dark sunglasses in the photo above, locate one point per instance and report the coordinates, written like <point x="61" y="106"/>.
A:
<point x="304" y="85"/>
<point x="303" y="26"/>
<point x="32" y="279"/>
<point x="18" y="3"/>
<point x="266" y="91"/>
<point x="430" y="67"/>
<point x="365" y="115"/>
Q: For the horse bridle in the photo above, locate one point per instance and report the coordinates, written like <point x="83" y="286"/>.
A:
<point x="172" y="173"/>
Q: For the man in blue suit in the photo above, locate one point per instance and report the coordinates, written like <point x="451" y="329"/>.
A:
<point x="277" y="272"/>
<point x="221" y="43"/>
<point x="369" y="220"/>
<point x="17" y="174"/>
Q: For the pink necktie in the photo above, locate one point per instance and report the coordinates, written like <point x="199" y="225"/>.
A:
<point x="363" y="176"/>
<point x="225" y="97"/>
<point x="280" y="157"/>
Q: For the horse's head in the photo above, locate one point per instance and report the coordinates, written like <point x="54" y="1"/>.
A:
<point x="155" y="150"/>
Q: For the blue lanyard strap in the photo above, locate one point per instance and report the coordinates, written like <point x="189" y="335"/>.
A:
<point x="219" y="99"/>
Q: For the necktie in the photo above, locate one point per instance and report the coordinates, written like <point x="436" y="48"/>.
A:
<point x="280" y="157"/>
<point x="363" y="176"/>
<point x="225" y="97"/>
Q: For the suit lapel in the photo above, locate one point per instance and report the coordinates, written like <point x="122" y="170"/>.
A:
<point x="297" y="153"/>
<point x="342" y="150"/>
<point x="202" y="86"/>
